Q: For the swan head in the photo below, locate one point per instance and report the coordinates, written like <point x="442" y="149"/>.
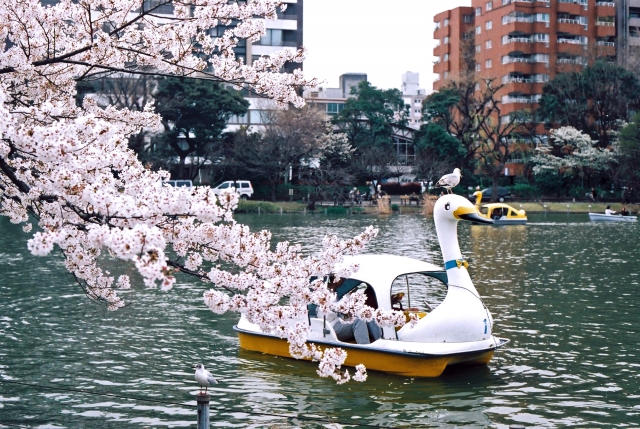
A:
<point x="455" y="207"/>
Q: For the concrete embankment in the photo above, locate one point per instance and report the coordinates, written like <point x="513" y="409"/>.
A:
<point x="264" y="207"/>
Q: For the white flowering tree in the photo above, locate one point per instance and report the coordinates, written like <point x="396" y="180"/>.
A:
<point x="572" y="149"/>
<point x="67" y="166"/>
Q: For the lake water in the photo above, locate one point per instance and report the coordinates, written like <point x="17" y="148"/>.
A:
<point x="564" y="291"/>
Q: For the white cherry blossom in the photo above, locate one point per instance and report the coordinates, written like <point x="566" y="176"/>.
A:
<point x="66" y="169"/>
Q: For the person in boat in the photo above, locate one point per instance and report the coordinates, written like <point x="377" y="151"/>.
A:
<point x="624" y="212"/>
<point x="359" y="330"/>
<point x="608" y="211"/>
<point x="496" y="214"/>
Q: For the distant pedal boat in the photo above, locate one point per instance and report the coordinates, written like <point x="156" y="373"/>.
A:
<point x="503" y="214"/>
<point x="601" y="217"/>
<point x="457" y="331"/>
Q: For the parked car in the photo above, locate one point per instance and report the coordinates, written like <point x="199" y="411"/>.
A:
<point x="503" y="195"/>
<point x="179" y="183"/>
<point x="243" y="187"/>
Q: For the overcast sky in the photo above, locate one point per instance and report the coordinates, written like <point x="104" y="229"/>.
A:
<point x="382" y="38"/>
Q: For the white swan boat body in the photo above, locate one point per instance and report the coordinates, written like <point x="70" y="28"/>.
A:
<point x="457" y="331"/>
<point x="601" y="217"/>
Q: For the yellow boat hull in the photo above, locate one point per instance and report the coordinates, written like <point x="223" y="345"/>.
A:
<point x="400" y="363"/>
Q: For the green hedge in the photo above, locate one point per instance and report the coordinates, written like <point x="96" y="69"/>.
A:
<point x="248" y="206"/>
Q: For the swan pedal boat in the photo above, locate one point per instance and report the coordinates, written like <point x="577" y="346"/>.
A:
<point x="458" y="331"/>
<point x="601" y="217"/>
<point x="508" y="214"/>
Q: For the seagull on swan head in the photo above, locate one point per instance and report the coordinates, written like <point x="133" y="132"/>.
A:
<point x="204" y="377"/>
<point x="449" y="180"/>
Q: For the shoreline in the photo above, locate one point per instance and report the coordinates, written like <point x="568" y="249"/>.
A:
<point x="538" y="207"/>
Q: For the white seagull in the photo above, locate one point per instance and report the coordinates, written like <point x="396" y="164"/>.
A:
<point x="204" y="377"/>
<point x="449" y="180"/>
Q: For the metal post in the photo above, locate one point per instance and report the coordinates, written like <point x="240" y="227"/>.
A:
<point x="203" y="411"/>
<point x="408" y="291"/>
<point x="258" y="210"/>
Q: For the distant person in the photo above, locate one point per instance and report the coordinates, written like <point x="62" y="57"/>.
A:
<point x="608" y="211"/>
<point x="624" y="212"/>
<point x="496" y="214"/>
<point x="593" y="194"/>
<point x="358" y="197"/>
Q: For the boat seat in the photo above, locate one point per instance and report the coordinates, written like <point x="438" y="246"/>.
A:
<point x="317" y="325"/>
<point x="415" y="311"/>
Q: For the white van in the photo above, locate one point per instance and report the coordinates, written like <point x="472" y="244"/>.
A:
<point x="179" y="183"/>
<point x="243" y="187"/>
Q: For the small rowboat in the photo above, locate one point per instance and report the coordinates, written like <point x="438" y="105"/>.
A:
<point x="600" y="217"/>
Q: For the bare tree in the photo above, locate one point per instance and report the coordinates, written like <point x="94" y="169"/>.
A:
<point x="291" y="138"/>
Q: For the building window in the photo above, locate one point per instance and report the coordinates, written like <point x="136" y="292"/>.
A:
<point x="478" y="29"/>
<point x="489" y="6"/>
<point x="334" y="108"/>
<point x="542" y="17"/>
<point x="446" y="75"/>
<point x="487" y="44"/>
<point x="477" y="86"/>
<point x="445" y="57"/>
<point x="445" y="40"/>
<point x="478" y="67"/>
<point x="446" y="22"/>
<point x="489" y="25"/>
<point x="487" y="64"/>
<point x="467" y="18"/>
<point x="478" y="11"/>
<point x="272" y="38"/>
<point x="478" y="49"/>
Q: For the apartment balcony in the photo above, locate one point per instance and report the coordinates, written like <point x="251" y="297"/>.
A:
<point x="441" y="32"/>
<point x="526" y="86"/>
<point x="572" y="8"/>
<point x="605" y="49"/>
<point x="571" y="48"/>
<point x="525" y="68"/>
<point x="570" y="26"/>
<point x="441" y="67"/>
<point x="440" y="50"/>
<point x="605" y="29"/>
<point x="521" y="101"/>
<point x="527" y="48"/>
<point x="605" y="8"/>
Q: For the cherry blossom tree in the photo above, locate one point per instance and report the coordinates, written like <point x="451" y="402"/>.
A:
<point x="67" y="167"/>
<point x="573" y="150"/>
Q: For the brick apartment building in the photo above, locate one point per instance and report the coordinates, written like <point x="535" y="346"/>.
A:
<point x="523" y="43"/>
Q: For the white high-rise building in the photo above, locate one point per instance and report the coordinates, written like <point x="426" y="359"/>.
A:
<point x="413" y="96"/>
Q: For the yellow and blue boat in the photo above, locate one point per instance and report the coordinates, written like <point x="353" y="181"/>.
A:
<point x="503" y="214"/>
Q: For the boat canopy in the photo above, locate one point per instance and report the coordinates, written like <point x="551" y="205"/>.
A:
<point x="380" y="271"/>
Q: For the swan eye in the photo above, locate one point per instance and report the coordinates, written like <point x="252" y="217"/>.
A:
<point x="447" y="206"/>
